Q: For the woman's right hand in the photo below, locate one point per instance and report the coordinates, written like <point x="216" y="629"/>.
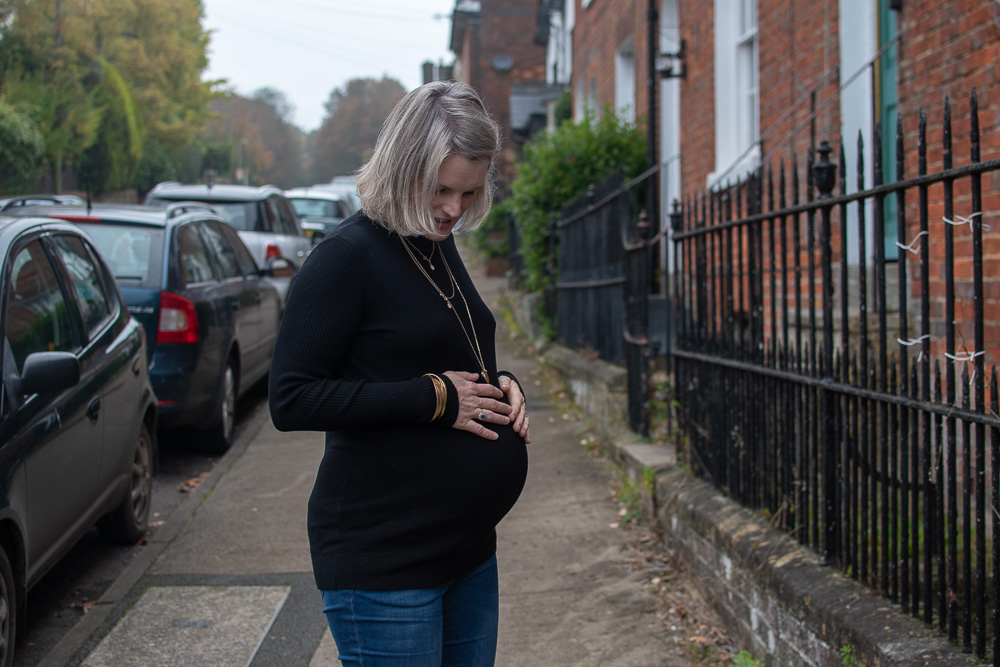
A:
<point x="478" y="403"/>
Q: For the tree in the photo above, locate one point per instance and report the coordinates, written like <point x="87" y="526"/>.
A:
<point x="22" y="149"/>
<point x="354" y="116"/>
<point x="57" y="55"/>
<point x="270" y="148"/>
<point x="112" y="161"/>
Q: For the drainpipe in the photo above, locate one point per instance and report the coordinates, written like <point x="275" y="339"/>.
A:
<point x="652" y="47"/>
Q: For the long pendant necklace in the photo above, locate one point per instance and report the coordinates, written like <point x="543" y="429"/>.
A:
<point x="426" y="257"/>
<point x="476" y="351"/>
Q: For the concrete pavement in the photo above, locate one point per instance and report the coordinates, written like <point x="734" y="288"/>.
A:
<point x="227" y="580"/>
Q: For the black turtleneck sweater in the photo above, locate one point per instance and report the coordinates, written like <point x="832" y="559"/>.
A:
<point x="398" y="502"/>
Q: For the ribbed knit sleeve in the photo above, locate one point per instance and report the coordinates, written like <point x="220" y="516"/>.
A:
<point x="323" y="313"/>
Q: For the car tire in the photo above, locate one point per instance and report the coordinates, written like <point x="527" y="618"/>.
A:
<point x="217" y="439"/>
<point x="8" y="611"/>
<point x="129" y="521"/>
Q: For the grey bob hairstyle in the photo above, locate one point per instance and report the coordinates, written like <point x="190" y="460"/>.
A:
<point x="431" y="123"/>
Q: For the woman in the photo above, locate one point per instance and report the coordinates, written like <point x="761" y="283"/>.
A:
<point x="387" y="347"/>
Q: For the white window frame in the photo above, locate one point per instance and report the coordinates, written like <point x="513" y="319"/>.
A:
<point x="737" y="90"/>
<point x="625" y="88"/>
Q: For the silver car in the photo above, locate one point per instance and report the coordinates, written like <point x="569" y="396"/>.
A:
<point x="320" y="209"/>
<point x="262" y="216"/>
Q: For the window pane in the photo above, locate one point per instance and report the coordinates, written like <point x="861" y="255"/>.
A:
<point x="748" y="16"/>
<point x="224" y="255"/>
<point x="37" y="314"/>
<point x="133" y="253"/>
<point x="242" y="215"/>
<point x="247" y="263"/>
<point x="90" y="291"/>
<point x="195" y="265"/>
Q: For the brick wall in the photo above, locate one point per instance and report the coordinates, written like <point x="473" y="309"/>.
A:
<point x="947" y="49"/>
<point x="599" y="32"/>
<point x="505" y="28"/>
<point x="798" y="53"/>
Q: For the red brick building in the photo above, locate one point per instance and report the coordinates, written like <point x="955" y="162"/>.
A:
<point x="496" y="51"/>
<point x="766" y="79"/>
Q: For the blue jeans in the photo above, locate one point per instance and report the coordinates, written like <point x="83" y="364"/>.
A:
<point x="453" y="624"/>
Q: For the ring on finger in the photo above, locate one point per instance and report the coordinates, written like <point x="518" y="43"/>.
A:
<point x="482" y="416"/>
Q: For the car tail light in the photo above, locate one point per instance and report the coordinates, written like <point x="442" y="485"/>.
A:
<point x="271" y="252"/>
<point x="178" y="320"/>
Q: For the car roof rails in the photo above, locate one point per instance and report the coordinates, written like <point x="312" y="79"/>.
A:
<point x="175" y="209"/>
<point x="167" y="184"/>
<point x="21" y="201"/>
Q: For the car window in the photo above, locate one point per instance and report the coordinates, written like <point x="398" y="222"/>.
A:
<point x="286" y="218"/>
<point x="229" y="265"/>
<point x="192" y="256"/>
<point x="247" y="264"/>
<point x="85" y="277"/>
<point x="242" y="216"/>
<point x="133" y="253"/>
<point x="38" y="318"/>
<point x="273" y="215"/>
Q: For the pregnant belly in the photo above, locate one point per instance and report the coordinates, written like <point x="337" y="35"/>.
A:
<point x="397" y="488"/>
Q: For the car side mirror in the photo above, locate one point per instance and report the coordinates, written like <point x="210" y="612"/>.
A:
<point x="49" y="371"/>
<point x="317" y="236"/>
<point x="279" y="267"/>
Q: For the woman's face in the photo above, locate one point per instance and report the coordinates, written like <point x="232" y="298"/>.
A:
<point x="459" y="182"/>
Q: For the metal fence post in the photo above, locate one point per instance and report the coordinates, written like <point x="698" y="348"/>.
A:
<point x="824" y="176"/>
<point x="550" y="269"/>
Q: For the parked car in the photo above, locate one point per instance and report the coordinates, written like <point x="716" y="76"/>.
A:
<point x="210" y="314"/>
<point x="77" y="412"/>
<point x="348" y="187"/>
<point x="262" y="216"/>
<point x="39" y="200"/>
<point x="320" y="209"/>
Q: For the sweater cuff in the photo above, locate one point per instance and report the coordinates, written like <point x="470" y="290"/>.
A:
<point x="451" y="411"/>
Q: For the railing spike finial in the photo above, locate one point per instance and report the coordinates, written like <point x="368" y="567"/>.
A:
<point x="824" y="171"/>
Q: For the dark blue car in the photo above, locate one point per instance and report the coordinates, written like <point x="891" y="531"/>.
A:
<point x="210" y="313"/>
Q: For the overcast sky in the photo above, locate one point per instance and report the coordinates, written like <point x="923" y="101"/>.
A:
<point x="306" y="48"/>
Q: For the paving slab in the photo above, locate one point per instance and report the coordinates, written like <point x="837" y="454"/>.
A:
<point x="212" y="625"/>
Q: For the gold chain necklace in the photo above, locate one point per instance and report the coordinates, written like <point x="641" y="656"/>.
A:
<point x="426" y="258"/>
<point x="476" y="351"/>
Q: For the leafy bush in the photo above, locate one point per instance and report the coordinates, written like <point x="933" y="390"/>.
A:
<point x="556" y="168"/>
<point x="491" y="238"/>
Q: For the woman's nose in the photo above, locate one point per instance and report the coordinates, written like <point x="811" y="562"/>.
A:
<point x="452" y="206"/>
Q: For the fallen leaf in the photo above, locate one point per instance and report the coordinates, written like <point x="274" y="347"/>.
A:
<point x="192" y="483"/>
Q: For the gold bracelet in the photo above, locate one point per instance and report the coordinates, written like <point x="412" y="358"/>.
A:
<point x="441" y="393"/>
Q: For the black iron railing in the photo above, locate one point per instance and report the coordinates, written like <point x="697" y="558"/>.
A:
<point x="604" y="257"/>
<point x="847" y="396"/>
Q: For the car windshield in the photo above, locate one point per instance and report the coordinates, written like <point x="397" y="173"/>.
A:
<point x="316" y="208"/>
<point x="133" y="253"/>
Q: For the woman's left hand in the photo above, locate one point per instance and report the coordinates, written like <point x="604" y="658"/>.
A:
<point x="519" y="414"/>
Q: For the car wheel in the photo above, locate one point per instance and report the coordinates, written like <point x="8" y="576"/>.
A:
<point x="219" y="438"/>
<point x="128" y="522"/>
<point x="8" y="611"/>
